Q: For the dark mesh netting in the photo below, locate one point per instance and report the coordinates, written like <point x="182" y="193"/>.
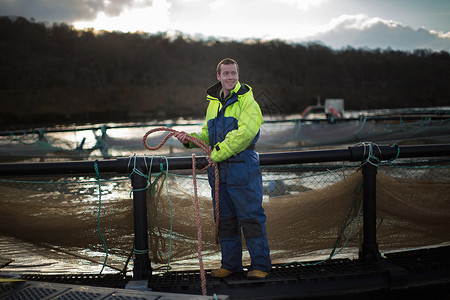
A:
<point x="310" y="213"/>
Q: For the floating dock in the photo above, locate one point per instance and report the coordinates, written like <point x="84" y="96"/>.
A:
<point x="399" y="275"/>
<point x="415" y="274"/>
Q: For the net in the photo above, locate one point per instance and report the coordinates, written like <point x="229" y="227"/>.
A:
<point x="311" y="211"/>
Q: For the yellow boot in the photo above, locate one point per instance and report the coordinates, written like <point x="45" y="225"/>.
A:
<point x="220" y="273"/>
<point x="257" y="274"/>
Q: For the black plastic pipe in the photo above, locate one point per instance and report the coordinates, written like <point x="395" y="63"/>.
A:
<point x="369" y="250"/>
<point x="142" y="265"/>
<point x="126" y="165"/>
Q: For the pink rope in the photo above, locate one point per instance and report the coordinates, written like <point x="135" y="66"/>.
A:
<point x="199" y="229"/>
<point x="207" y="150"/>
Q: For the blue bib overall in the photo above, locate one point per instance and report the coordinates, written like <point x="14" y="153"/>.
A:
<point x="240" y="199"/>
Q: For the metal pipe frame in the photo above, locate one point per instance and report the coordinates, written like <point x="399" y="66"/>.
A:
<point x="123" y="166"/>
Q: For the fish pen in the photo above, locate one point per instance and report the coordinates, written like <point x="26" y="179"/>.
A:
<point x="412" y="126"/>
<point x="349" y="221"/>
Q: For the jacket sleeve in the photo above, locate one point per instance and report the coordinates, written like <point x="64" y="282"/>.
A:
<point x="249" y="122"/>
<point x="203" y="134"/>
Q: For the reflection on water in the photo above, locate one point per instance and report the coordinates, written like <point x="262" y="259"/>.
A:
<point x="59" y="221"/>
<point x="59" y="218"/>
<point x="96" y="141"/>
<point x="29" y="258"/>
<point x="49" y="226"/>
<point x="287" y="133"/>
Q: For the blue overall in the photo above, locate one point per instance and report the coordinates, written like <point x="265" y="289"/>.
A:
<point x="240" y="199"/>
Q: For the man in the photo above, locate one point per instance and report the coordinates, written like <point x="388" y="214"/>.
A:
<point x="233" y="119"/>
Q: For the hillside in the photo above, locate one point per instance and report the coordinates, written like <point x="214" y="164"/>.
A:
<point x="56" y="73"/>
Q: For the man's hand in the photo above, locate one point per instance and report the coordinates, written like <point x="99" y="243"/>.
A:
<point x="209" y="159"/>
<point x="182" y="137"/>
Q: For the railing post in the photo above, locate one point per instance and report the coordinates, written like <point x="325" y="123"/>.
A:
<point x="369" y="251"/>
<point x="142" y="266"/>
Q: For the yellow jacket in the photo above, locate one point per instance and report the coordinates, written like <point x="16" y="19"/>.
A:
<point x="233" y="126"/>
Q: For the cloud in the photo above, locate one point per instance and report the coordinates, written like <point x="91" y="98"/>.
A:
<point x="236" y="19"/>
<point x="67" y="10"/>
<point x="140" y="17"/>
<point x="362" y="31"/>
<point x="293" y="20"/>
<point x="304" y="5"/>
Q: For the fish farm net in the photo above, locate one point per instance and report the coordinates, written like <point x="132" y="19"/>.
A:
<point x="313" y="212"/>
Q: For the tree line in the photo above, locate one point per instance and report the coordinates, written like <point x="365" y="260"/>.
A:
<point x="56" y="73"/>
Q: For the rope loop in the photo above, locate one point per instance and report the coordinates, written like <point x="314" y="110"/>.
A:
<point x="368" y="150"/>
<point x="396" y="156"/>
<point x="200" y="143"/>
<point x="139" y="173"/>
<point x="207" y="149"/>
<point x="137" y="251"/>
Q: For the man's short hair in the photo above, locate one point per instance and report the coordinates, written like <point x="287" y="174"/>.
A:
<point x="226" y="61"/>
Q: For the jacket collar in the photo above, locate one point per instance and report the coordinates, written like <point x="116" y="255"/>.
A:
<point x="214" y="90"/>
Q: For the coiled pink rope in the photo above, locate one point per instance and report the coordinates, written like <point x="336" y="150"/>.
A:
<point x="207" y="150"/>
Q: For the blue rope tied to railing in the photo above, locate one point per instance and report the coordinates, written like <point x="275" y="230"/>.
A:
<point x="139" y="173"/>
<point x="166" y="173"/>
<point x="152" y="186"/>
<point x="396" y="156"/>
<point x="98" y="215"/>
<point x="371" y="158"/>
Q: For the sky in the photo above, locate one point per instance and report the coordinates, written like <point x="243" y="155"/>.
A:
<point x="397" y="24"/>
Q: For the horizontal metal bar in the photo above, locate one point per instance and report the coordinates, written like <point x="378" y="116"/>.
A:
<point x="127" y="165"/>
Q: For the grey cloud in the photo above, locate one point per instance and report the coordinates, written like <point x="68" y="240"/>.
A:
<point x="65" y="10"/>
<point x="380" y="35"/>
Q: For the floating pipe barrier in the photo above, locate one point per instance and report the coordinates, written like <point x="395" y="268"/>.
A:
<point x="368" y="154"/>
<point x="400" y="116"/>
<point x="125" y="165"/>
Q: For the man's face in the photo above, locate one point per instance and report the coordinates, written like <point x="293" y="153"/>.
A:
<point x="228" y="77"/>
